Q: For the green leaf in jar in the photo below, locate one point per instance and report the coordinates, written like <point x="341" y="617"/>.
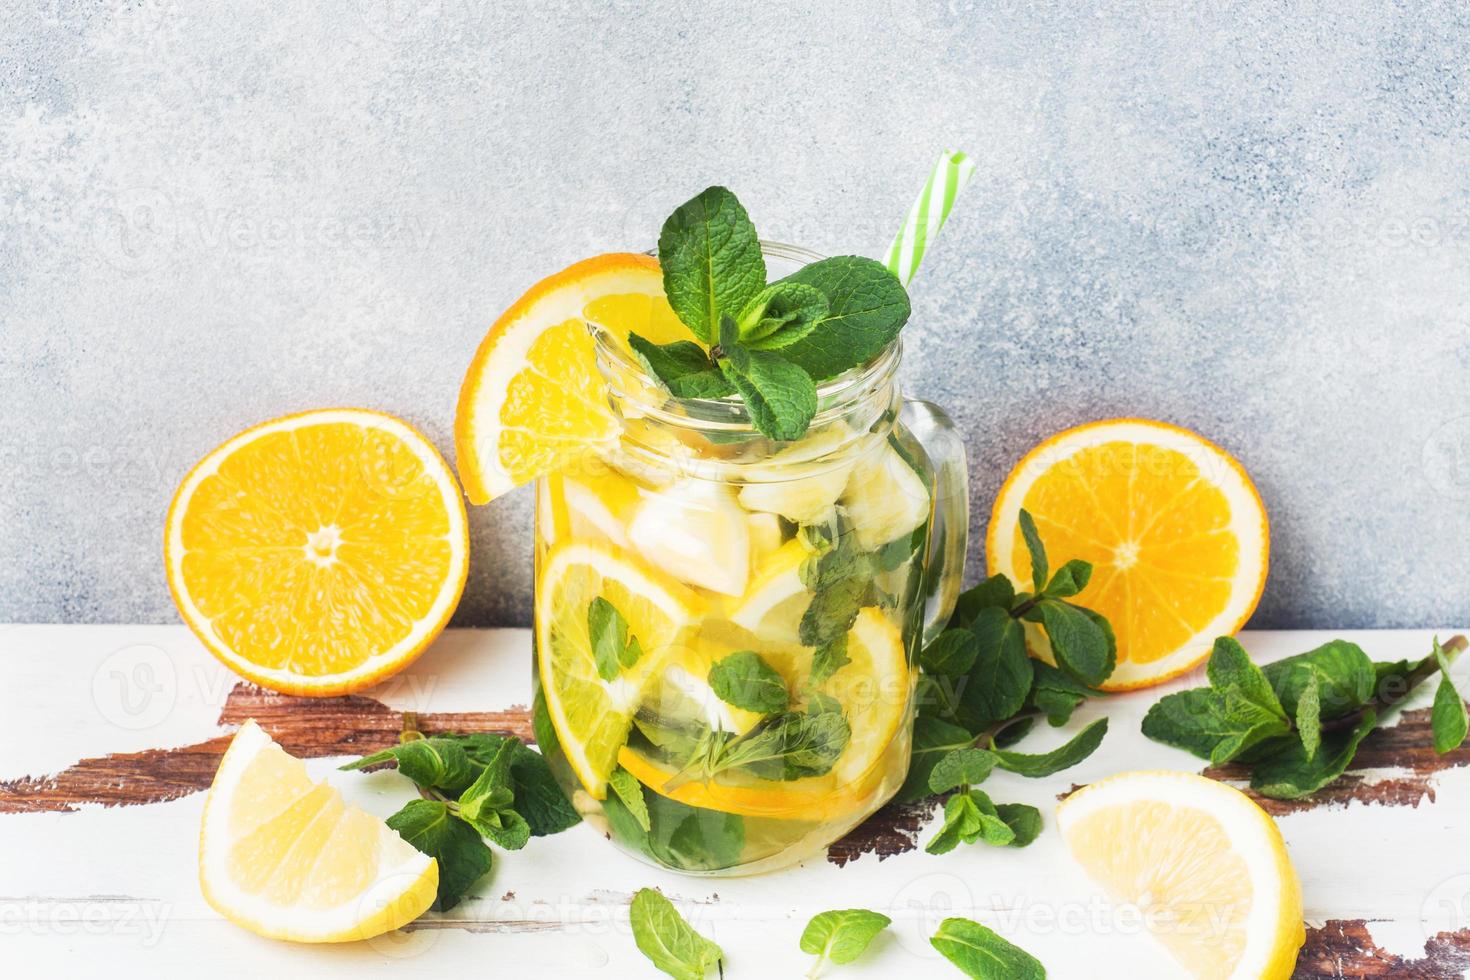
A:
<point x="613" y="646"/>
<point x="630" y="792"/>
<point x="745" y="680"/>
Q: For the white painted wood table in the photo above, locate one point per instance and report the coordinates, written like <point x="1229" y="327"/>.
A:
<point x="110" y="735"/>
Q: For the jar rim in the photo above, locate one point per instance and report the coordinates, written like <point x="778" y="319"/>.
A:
<point x="836" y="396"/>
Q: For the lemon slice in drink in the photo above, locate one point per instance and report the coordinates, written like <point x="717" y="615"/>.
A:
<point x="777" y="598"/>
<point x="592" y="716"/>
<point x="286" y="858"/>
<point x="1205" y="862"/>
<point x="873" y="689"/>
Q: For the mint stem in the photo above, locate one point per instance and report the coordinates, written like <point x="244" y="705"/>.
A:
<point x="1383" y="700"/>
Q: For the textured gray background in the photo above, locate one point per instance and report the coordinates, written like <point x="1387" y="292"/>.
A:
<point x="1250" y="219"/>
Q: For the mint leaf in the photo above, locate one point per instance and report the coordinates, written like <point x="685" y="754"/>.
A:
<point x="1024" y="821"/>
<point x="997" y="684"/>
<point x="614" y="649"/>
<point x="1309" y="716"/>
<point x="711" y="260"/>
<point x="1055" y="693"/>
<point x="933" y="740"/>
<point x="1249" y="705"/>
<point x="1447" y="719"/>
<point x="1192" y="720"/>
<point x="980" y="954"/>
<point x="1344" y="676"/>
<point x="840" y="936"/>
<point x="789" y="745"/>
<point x="1080" y="644"/>
<point x="1037" y="551"/>
<point x="994" y="591"/>
<point x="668" y="941"/>
<point x="952" y="653"/>
<point x="961" y="767"/>
<point x="1289" y="774"/>
<point x="684" y="368"/>
<point x="829" y="658"/>
<point x="866" y="308"/>
<point x="630" y="791"/>
<point x="748" y="682"/>
<point x="538" y="797"/>
<point x="970" y="817"/>
<point x="1070" y="579"/>
<point x="488" y="804"/>
<point x="780" y="396"/>
<point x="1083" y="744"/>
<point x="463" y="858"/>
<point x="433" y="763"/>
<point x="780" y="315"/>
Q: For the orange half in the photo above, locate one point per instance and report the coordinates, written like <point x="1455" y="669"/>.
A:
<point x="1174" y="528"/>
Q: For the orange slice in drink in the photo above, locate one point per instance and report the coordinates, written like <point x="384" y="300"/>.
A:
<point x="533" y="399"/>
<point x="1173" y="527"/>
<point x="318" y="553"/>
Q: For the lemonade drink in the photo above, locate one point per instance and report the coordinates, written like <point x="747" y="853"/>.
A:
<point x="727" y="626"/>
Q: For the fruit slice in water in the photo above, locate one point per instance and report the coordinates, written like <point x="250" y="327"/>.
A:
<point x="1206" y="865"/>
<point x="777" y="598"/>
<point x="695" y="532"/>
<point x="795" y="482"/>
<point x="533" y="400"/>
<point x="318" y="553"/>
<point x="873" y="689"/>
<point x="592" y="716"/>
<point x="1172" y="525"/>
<point x="286" y="858"/>
<point x="884" y="499"/>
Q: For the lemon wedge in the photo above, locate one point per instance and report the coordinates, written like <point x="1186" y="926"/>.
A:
<point x="286" y="858"/>
<point x="696" y="532"/>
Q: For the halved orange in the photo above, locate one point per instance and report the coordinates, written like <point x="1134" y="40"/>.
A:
<point x="1174" y="528"/>
<point x="533" y="399"/>
<point x="318" y="553"/>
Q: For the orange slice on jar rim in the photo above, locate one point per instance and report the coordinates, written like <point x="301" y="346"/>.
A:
<point x="533" y="399"/>
<point x="1172" y="524"/>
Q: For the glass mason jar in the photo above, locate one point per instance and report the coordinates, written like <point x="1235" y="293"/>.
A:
<point x="725" y="666"/>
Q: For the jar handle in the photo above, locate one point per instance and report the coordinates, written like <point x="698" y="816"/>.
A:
<point x="949" y="534"/>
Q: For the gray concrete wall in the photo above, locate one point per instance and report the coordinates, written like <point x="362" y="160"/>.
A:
<point x="1251" y="219"/>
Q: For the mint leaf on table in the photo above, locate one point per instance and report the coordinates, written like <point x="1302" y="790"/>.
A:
<point x="630" y="792"/>
<point x="1001" y="676"/>
<point x="463" y="858"/>
<point x="433" y="763"/>
<point x="613" y="647"/>
<point x="488" y="804"/>
<point x="1290" y="773"/>
<point x="1037" y="551"/>
<point x="969" y="817"/>
<point x="979" y="953"/>
<point x="684" y="368"/>
<point x="711" y="260"/>
<point x="1055" y="693"/>
<point x="866" y="308"/>
<point x="669" y="942"/>
<point x="961" y="767"/>
<point x="1447" y="718"/>
<point x="1082" y="745"/>
<point x="934" y="739"/>
<point x="1024" y="821"/>
<point x="745" y="680"/>
<point x="1082" y="646"/>
<point x="952" y="653"/>
<point x="840" y="936"/>
<point x="538" y="797"/>
<point x="1248" y="702"/>
<point x="1345" y="678"/>
<point x="1308" y="716"/>
<point x="780" y="315"/>
<point x="780" y="396"/>
<point x="994" y="591"/>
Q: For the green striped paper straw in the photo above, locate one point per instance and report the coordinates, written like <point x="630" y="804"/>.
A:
<point x="926" y="217"/>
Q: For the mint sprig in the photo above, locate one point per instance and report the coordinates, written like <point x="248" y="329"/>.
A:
<point x="473" y="787"/>
<point x="768" y="343"/>
<point x="982" y="691"/>
<point x="1297" y="723"/>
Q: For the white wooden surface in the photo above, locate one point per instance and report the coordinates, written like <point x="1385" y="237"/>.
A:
<point x="113" y="889"/>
